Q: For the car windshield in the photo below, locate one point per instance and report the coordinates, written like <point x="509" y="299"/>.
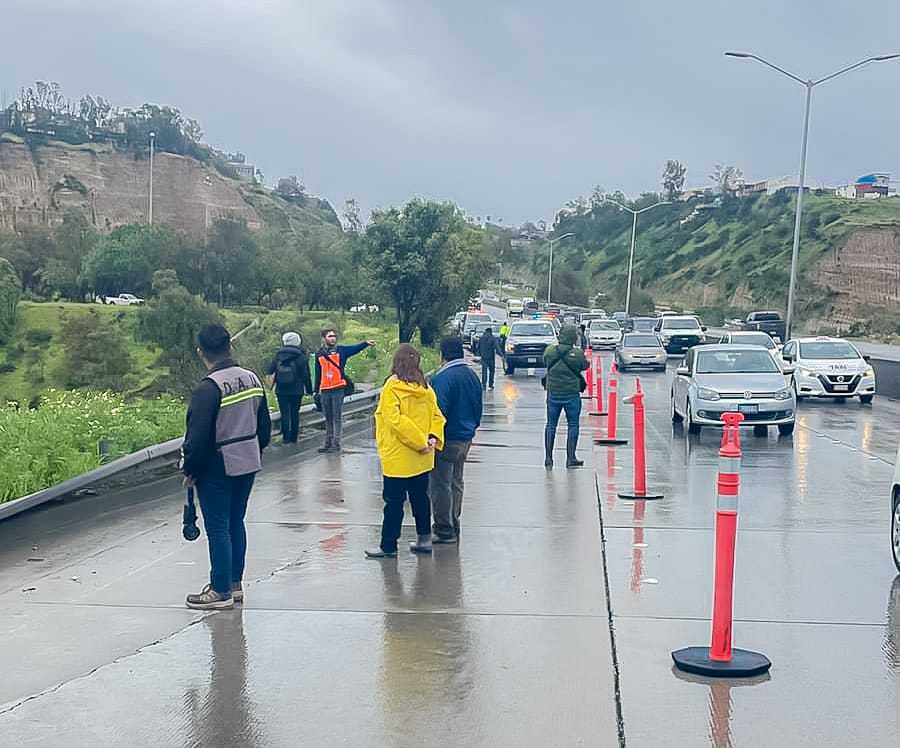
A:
<point x="673" y="323"/>
<point x="754" y="339"/>
<point x="474" y="319"/>
<point x="605" y="324"/>
<point x="537" y="329"/>
<point x="482" y="326"/>
<point x="641" y="341"/>
<point x="735" y="362"/>
<point x="644" y="325"/>
<point x="828" y="350"/>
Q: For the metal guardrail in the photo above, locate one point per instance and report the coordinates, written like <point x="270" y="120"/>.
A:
<point x="309" y="416"/>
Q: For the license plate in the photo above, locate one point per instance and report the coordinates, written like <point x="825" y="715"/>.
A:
<point x="748" y="409"/>
<point x="841" y="387"/>
<point x="532" y="360"/>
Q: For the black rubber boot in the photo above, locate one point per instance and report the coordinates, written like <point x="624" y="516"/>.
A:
<point x="548" y="449"/>
<point x="571" y="460"/>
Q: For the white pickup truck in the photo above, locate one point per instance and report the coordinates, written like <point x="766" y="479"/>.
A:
<point x="123" y="299"/>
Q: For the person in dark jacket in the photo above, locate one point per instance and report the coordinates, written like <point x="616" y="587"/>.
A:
<point x="488" y="348"/>
<point x="582" y="337"/>
<point x="459" y="398"/>
<point x="289" y="371"/>
<point x="331" y="384"/>
<point x="228" y="427"/>
<point x="564" y="363"/>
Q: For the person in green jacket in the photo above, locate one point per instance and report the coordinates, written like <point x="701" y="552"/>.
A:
<point x="564" y="363"/>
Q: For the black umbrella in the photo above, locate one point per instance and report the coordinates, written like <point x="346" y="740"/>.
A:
<point x="189" y="517"/>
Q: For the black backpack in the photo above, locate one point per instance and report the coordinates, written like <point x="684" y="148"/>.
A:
<point x="286" y="372"/>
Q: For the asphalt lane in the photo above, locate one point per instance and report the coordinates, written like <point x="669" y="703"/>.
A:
<point x="815" y="588"/>
<point x="551" y="624"/>
<point x="504" y="640"/>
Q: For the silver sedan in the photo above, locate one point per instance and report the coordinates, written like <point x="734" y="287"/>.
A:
<point x="744" y="378"/>
<point x="641" y="350"/>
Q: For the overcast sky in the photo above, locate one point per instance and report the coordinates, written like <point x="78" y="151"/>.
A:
<point x="508" y="107"/>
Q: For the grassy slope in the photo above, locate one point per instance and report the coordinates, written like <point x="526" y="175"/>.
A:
<point x="735" y="256"/>
<point x="254" y="348"/>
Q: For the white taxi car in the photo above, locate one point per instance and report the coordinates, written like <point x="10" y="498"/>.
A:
<point x="829" y="367"/>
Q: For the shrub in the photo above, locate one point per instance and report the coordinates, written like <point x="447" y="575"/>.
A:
<point x="38" y="337"/>
<point x="95" y="354"/>
<point x="7" y="368"/>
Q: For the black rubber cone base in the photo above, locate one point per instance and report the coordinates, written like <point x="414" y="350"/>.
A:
<point x="598" y="413"/>
<point x="743" y="664"/>
<point x="611" y="442"/>
<point x="645" y="497"/>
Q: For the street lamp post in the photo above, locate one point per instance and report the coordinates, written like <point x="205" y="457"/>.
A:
<point x="550" y="273"/>
<point x="150" y="202"/>
<point x="808" y="85"/>
<point x="634" y="215"/>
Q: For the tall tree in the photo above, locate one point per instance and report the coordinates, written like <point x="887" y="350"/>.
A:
<point x="726" y="177"/>
<point x="10" y="290"/>
<point x="673" y="178"/>
<point x="427" y="259"/>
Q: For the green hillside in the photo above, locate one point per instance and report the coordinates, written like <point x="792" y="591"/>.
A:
<point x="726" y="256"/>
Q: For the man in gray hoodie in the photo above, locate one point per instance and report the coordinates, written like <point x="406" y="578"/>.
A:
<point x="289" y="371"/>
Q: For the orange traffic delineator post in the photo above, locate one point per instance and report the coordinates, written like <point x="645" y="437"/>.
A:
<point x="598" y="388"/>
<point x="589" y="394"/>
<point x="719" y="659"/>
<point x="639" y="490"/>
<point x="611" y="438"/>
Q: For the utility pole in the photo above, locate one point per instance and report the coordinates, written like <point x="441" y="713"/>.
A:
<point x="150" y="206"/>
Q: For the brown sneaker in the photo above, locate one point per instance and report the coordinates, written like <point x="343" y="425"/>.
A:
<point x="209" y="599"/>
<point x="237" y="592"/>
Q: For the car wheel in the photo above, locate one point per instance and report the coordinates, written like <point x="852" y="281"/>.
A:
<point x="866" y="399"/>
<point x="676" y="416"/>
<point x="786" y="429"/>
<point x="895" y="530"/>
<point x="693" y="428"/>
<point x="759" y="430"/>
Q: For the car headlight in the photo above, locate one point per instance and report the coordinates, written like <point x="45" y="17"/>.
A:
<point x="870" y="372"/>
<point x="707" y="394"/>
<point x="510" y="348"/>
<point x="805" y="372"/>
<point x="784" y="394"/>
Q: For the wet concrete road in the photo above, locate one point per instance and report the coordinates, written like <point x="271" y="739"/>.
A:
<point x="504" y="640"/>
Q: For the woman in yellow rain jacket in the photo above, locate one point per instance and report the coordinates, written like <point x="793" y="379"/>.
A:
<point x="409" y="427"/>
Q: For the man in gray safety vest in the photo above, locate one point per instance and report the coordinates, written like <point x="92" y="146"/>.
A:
<point x="228" y="427"/>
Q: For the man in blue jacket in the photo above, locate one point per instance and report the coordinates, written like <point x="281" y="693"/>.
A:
<point x="459" y="397"/>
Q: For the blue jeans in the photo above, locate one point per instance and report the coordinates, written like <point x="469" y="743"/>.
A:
<point x="556" y="404"/>
<point x="223" y="501"/>
<point x="488" y="367"/>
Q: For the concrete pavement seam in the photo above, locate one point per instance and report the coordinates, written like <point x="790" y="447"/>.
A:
<point x="617" y="683"/>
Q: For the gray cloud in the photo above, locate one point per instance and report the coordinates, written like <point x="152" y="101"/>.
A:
<point x="509" y="108"/>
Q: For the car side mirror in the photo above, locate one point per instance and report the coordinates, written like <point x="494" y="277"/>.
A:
<point x="703" y="328"/>
<point x="787" y="370"/>
<point x="787" y="357"/>
<point x="682" y="371"/>
<point x="867" y="358"/>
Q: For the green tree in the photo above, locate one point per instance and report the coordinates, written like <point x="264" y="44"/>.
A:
<point x="124" y="261"/>
<point x="230" y="260"/>
<point x="95" y="354"/>
<point x="171" y="322"/>
<point x="10" y="290"/>
<point x="673" y="178"/>
<point x="569" y="287"/>
<point x="427" y="260"/>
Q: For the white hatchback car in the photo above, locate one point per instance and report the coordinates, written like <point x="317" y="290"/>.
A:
<point x="829" y="367"/>
<point x="604" y="333"/>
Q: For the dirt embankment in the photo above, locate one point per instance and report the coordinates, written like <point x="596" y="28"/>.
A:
<point x="39" y="184"/>
<point x="861" y="280"/>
